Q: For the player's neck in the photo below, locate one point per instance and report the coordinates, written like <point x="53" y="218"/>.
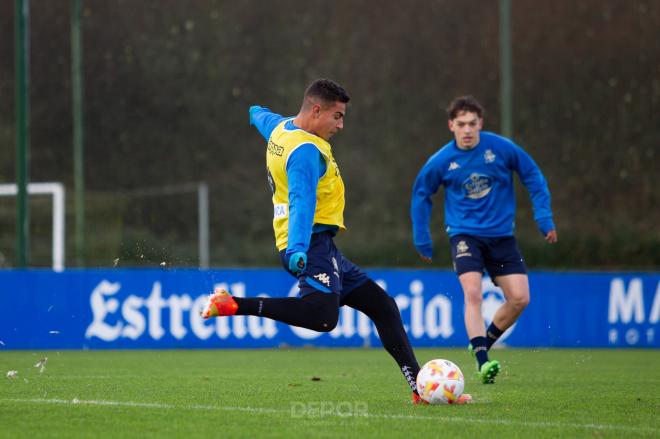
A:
<point x="466" y="147"/>
<point x="301" y="122"/>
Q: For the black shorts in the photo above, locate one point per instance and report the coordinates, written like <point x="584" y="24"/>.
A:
<point x="498" y="256"/>
<point x="327" y="269"/>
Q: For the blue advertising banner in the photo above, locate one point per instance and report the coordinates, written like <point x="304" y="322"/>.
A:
<point x="118" y="309"/>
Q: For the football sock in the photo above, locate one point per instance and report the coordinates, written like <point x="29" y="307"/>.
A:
<point x="492" y="334"/>
<point x="316" y="311"/>
<point x="480" y="349"/>
<point x="370" y="299"/>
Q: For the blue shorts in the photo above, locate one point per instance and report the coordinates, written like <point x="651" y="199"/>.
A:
<point x="498" y="256"/>
<point x="327" y="269"/>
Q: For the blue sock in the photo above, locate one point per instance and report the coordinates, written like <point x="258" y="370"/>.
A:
<point x="480" y="348"/>
<point x="492" y="334"/>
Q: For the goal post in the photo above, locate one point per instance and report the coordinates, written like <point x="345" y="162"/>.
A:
<point x="57" y="191"/>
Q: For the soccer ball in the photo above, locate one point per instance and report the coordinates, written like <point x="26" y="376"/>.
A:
<point x="440" y="382"/>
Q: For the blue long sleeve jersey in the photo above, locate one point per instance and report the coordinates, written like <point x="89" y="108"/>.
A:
<point x="304" y="168"/>
<point x="479" y="190"/>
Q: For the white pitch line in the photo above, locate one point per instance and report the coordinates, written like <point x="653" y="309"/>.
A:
<point x="264" y="410"/>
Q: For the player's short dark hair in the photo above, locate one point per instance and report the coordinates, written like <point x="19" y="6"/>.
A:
<point x="328" y="91"/>
<point x="465" y="104"/>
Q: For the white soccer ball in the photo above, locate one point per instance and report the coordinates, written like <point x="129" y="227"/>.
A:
<point x="440" y="382"/>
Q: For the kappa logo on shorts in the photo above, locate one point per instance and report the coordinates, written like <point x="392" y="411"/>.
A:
<point x="462" y="249"/>
<point x="323" y="278"/>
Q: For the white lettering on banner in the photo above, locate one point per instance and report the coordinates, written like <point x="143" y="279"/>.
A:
<point x="178" y="304"/>
<point x="222" y="328"/>
<point x="654" y="317"/>
<point x="427" y="315"/>
<point x="614" y="336"/>
<point x="416" y="314"/>
<point x="155" y="304"/>
<point x="627" y="307"/>
<point x="134" y="318"/>
<point x="432" y="319"/>
<point x="623" y="304"/>
<point x="632" y="336"/>
<point x="131" y="322"/>
<point x="437" y="317"/>
<point x="100" y="309"/>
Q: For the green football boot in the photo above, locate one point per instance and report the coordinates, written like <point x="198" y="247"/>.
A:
<point x="489" y="371"/>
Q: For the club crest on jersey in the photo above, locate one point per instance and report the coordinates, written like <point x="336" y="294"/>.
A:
<point x="477" y="186"/>
<point x="323" y="278"/>
<point x="489" y="157"/>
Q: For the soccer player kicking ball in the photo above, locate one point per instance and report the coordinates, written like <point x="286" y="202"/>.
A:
<point x="476" y="171"/>
<point x="308" y="202"/>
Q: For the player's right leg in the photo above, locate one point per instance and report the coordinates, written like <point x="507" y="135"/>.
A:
<point x="469" y="262"/>
<point x="474" y="324"/>
<point x="318" y="311"/>
<point x="317" y="307"/>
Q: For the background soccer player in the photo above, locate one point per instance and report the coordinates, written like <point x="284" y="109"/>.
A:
<point x="476" y="171"/>
<point x="308" y="201"/>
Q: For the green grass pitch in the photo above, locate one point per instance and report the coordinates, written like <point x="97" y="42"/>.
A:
<point x="323" y="393"/>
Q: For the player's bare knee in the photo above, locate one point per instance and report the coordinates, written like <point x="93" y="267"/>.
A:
<point x="520" y="302"/>
<point x="473" y="297"/>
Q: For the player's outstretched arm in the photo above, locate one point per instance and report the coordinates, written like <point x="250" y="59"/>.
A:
<point x="264" y="120"/>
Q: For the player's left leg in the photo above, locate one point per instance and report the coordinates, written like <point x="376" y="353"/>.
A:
<point x="370" y="299"/>
<point x="516" y="292"/>
<point x="507" y="269"/>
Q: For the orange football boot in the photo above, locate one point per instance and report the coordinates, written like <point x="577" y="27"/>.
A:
<point x="417" y="400"/>
<point x="220" y="303"/>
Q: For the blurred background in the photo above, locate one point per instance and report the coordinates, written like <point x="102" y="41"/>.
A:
<point x="166" y="90"/>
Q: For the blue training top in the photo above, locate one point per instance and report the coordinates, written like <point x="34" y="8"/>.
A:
<point x="479" y="190"/>
<point x="304" y="169"/>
